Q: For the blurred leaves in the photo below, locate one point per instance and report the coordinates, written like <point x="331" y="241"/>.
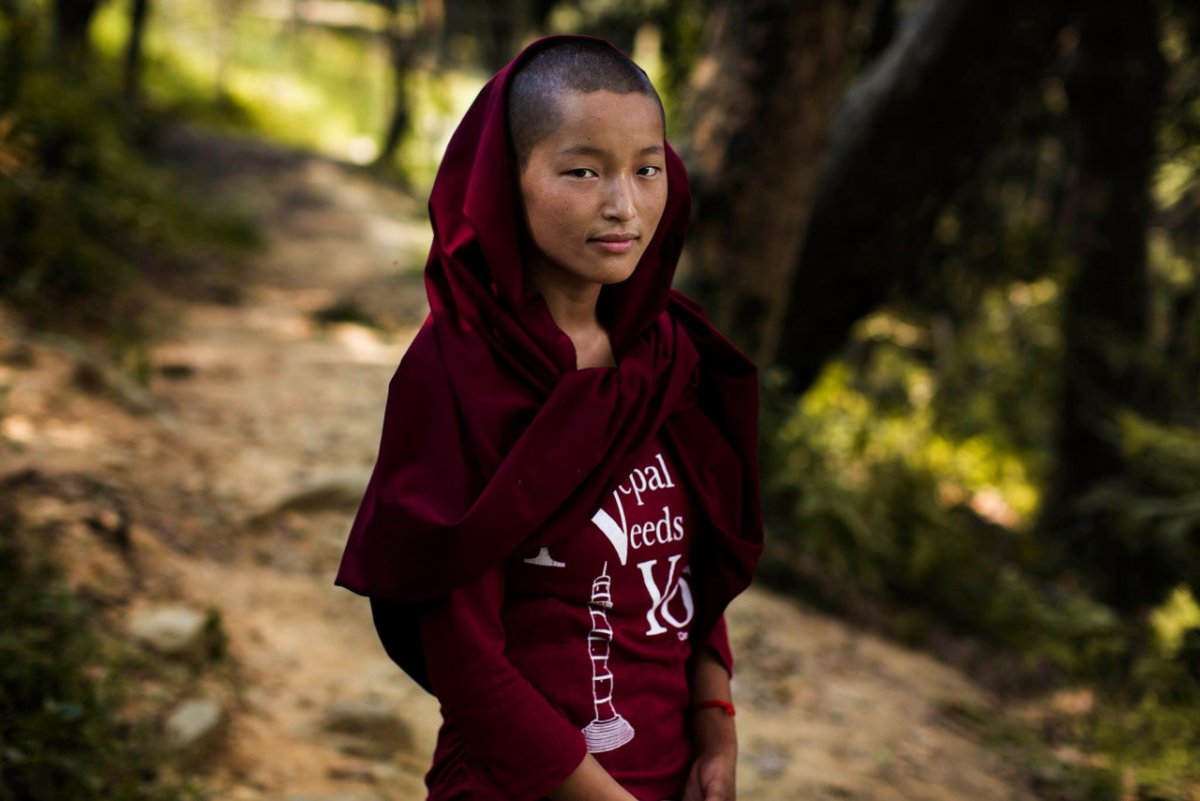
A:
<point x="87" y="222"/>
<point x="883" y="506"/>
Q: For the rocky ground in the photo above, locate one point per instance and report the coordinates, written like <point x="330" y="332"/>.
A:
<point x="227" y="489"/>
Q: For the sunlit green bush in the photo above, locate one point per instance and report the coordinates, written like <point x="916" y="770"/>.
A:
<point x="872" y="506"/>
<point x="902" y="487"/>
<point x="87" y="223"/>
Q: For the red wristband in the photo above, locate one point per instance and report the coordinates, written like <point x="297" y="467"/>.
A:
<point x="726" y="705"/>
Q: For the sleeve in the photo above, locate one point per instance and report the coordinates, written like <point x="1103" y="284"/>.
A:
<point x="518" y="746"/>
<point x="718" y="644"/>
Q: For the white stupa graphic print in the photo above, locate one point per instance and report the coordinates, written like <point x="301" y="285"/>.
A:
<point x="544" y="559"/>
<point x="608" y="731"/>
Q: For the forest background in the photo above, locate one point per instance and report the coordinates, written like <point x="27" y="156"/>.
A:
<point x="962" y="239"/>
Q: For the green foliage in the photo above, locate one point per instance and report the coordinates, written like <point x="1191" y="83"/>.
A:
<point x="880" y="496"/>
<point x="1049" y="775"/>
<point x="61" y="734"/>
<point x="877" y="495"/>
<point x="1153" y="732"/>
<point x="308" y="86"/>
<point x="905" y="482"/>
<point x="1175" y="621"/>
<point x="86" y="222"/>
<point x="1150" y="512"/>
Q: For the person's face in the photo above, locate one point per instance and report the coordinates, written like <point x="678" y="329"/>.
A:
<point x="594" y="190"/>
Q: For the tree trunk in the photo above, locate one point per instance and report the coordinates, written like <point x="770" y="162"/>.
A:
<point x="883" y="28"/>
<point x="19" y="24"/>
<point x="400" y="53"/>
<point x="138" y="12"/>
<point x="906" y="137"/>
<point x="1115" y="80"/>
<point x="72" y="24"/>
<point x="404" y="42"/>
<point x="502" y="24"/>
<point x="764" y="92"/>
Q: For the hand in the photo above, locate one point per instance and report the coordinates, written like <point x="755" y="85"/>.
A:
<point x="712" y="777"/>
<point x="590" y="782"/>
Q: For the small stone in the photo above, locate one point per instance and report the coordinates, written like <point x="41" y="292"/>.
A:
<point x="19" y="354"/>
<point x="371" y="729"/>
<point x="389" y="773"/>
<point x="195" y="726"/>
<point x="351" y="773"/>
<point x="336" y="490"/>
<point x="244" y="793"/>
<point x="170" y="630"/>
<point x="176" y="370"/>
<point x="92" y="374"/>
<point x="769" y="761"/>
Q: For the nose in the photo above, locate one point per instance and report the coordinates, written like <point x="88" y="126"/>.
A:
<point x="618" y="199"/>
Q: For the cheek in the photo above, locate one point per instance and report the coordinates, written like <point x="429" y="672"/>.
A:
<point x="552" y="215"/>
<point x="655" y="204"/>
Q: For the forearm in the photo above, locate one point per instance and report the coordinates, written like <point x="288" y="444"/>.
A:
<point x="517" y="744"/>
<point x="713" y="776"/>
<point x="590" y="782"/>
<point x="712" y="728"/>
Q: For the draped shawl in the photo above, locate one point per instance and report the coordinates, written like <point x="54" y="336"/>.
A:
<point x="493" y="440"/>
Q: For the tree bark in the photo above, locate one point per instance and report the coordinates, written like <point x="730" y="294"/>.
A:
<point x="764" y="92"/>
<point x="404" y="42"/>
<point x="906" y="137"/>
<point x="401" y="48"/>
<point x="1115" y="80"/>
<point x="138" y="12"/>
<point x="503" y="24"/>
<point x="883" y="28"/>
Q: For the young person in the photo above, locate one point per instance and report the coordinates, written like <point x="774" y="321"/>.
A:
<point x="566" y="493"/>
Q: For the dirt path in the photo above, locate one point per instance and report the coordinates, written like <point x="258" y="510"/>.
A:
<point x="264" y="403"/>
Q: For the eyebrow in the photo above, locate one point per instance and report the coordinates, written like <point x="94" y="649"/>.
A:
<point x="588" y="150"/>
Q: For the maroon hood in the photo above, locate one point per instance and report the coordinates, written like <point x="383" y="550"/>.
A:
<point x="475" y="268"/>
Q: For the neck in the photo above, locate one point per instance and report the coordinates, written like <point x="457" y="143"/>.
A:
<point x="572" y="303"/>
<point x="571" y="300"/>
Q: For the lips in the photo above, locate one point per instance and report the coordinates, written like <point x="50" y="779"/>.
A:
<point x="614" y="243"/>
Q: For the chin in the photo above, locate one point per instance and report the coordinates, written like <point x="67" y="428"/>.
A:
<point x="605" y="270"/>
<point x="616" y="273"/>
<point x="618" y="277"/>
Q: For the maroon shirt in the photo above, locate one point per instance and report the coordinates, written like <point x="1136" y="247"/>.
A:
<point x="580" y="646"/>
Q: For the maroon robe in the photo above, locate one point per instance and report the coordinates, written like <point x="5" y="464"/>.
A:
<point x="494" y="444"/>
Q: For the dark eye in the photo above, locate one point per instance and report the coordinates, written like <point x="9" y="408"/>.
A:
<point x="581" y="172"/>
<point x="649" y="170"/>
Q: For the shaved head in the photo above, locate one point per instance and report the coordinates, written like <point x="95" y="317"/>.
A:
<point x="569" y="65"/>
